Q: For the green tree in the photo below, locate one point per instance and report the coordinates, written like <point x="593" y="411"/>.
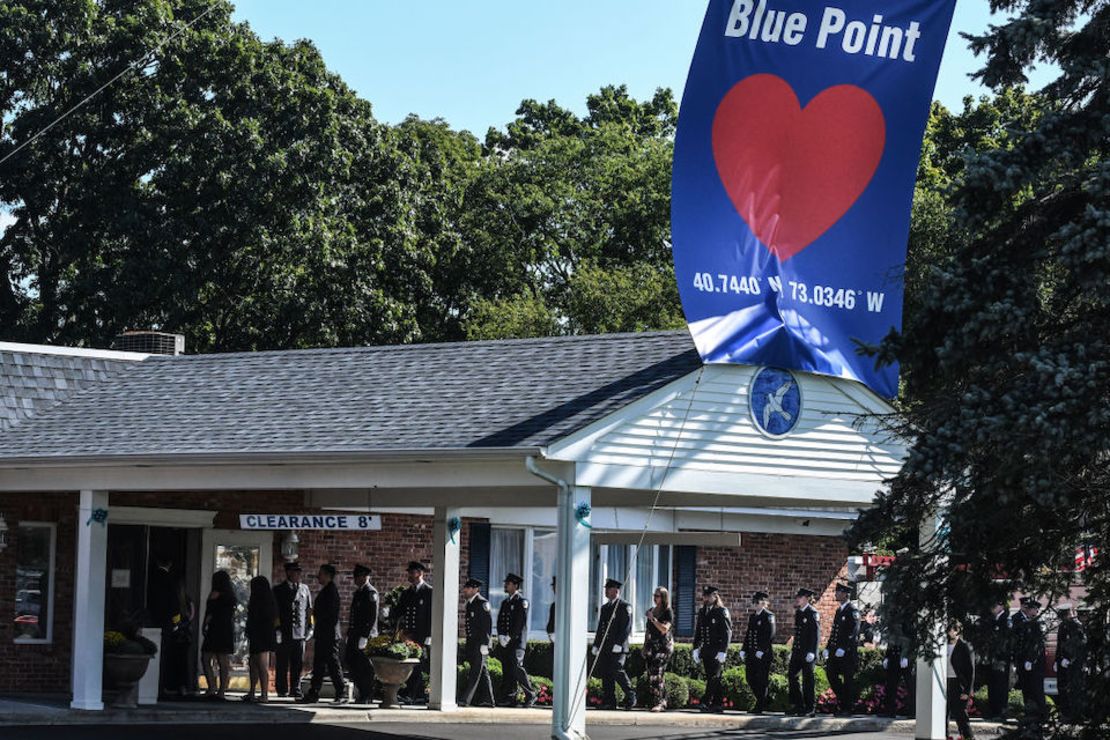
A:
<point x="1009" y="354"/>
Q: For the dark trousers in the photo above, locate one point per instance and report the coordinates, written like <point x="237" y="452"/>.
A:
<point x="801" y="693"/>
<point x="290" y="665"/>
<point x="479" y="687"/>
<point x="362" y="672"/>
<point x="415" y="689"/>
<point x="842" y="679"/>
<point x="514" y="675"/>
<point x="611" y="670"/>
<point x="325" y="662"/>
<point x="998" y="689"/>
<point x="957" y="709"/>
<point x="896" y="675"/>
<point x="1070" y="689"/>
<point x="1031" y="684"/>
<point x="758" y="671"/>
<point x="714" y="693"/>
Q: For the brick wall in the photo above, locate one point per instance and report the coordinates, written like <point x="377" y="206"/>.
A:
<point x="38" y="668"/>
<point x="778" y="564"/>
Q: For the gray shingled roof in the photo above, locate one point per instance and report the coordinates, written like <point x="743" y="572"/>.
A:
<point x="31" y="383"/>
<point x="494" y="394"/>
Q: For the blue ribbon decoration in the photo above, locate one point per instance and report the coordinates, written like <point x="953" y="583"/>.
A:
<point x="454" y="526"/>
<point x="100" y="516"/>
<point x="582" y="513"/>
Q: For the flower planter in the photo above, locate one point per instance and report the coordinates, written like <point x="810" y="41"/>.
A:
<point x="393" y="674"/>
<point x="124" y="672"/>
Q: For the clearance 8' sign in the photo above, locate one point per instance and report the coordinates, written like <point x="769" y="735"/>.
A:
<point x="794" y="166"/>
<point x="351" y="522"/>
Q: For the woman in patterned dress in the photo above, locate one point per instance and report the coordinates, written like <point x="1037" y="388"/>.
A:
<point x="658" y="646"/>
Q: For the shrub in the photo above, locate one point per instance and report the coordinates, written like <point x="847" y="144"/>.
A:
<point x="675" y="687"/>
<point x="778" y="693"/>
<point x="682" y="662"/>
<point x="696" y="690"/>
<point x="780" y="663"/>
<point x="737" y="693"/>
<point x="542" y="686"/>
<point x="870" y="669"/>
<point x="539" y="659"/>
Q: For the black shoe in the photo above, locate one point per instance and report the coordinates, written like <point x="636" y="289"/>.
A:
<point x="607" y="707"/>
<point x="507" y="703"/>
<point x="810" y="713"/>
<point x="628" y="706"/>
<point x="340" y="700"/>
<point x="309" y="698"/>
<point x="529" y="701"/>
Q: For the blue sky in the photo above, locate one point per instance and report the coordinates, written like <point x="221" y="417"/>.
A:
<point x="473" y="62"/>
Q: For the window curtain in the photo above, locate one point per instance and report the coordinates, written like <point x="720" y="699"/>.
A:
<point x="506" y="555"/>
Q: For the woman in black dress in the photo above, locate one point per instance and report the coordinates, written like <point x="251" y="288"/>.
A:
<point x="658" y="647"/>
<point x="262" y="623"/>
<point x="219" y="634"/>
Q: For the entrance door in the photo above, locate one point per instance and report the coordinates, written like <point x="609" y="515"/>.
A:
<point x="243" y="555"/>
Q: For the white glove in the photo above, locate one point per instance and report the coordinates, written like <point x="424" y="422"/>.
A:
<point x="759" y="654"/>
<point x="616" y="648"/>
<point x="308" y="635"/>
<point x="810" y="657"/>
<point x="721" y="657"/>
<point x="1065" y="662"/>
<point x="825" y="654"/>
<point x="1028" y="665"/>
<point x="362" y="642"/>
<point x="904" y="663"/>
<point x="743" y="655"/>
<point x="484" y="649"/>
<point x="278" y="636"/>
<point x="839" y="653"/>
<point x="697" y="655"/>
<point x="551" y="636"/>
<point x="427" y="640"/>
<point x="504" y="640"/>
<point x="594" y="650"/>
<point x="885" y="661"/>
<point x="385" y="611"/>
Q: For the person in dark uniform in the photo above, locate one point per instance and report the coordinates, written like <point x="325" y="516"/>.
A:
<point x="998" y="661"/>
<point x="842" y="651"/>
<point x="614" y="627"/>
<point x="897" y="668"/>
<point x="294" y="603"/>
<point x="550" y="628"/>
<point x="1029" y="659"/>
<point x="479" y="628"/>
<point x="712" y="634"/>
<point x="803" y="655"/>
<point x="512" y="636"/>
<point x="1071" y="659"/>
<point x="961" y="681"/>
<point x="756" y="652"/>
<point x="325" y="655"/>
<point x="415" y="619"/>
<point x="362" y="625"/>
<point x="161" y="608"/>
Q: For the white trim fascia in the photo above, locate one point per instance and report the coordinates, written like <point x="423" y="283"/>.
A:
<point x="155" y="517"/>
<point x="97" y="354"/>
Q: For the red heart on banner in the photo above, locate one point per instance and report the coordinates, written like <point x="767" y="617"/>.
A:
<point x="792" y="172"/>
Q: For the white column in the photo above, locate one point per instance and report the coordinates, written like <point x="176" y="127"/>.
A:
<point x="932" y="675"/>
<point x="568" y="721"/>
<point x="88" y="602"/>
<point x="445" y="611"/>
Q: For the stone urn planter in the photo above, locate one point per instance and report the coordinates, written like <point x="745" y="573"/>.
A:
<point x="393" y="673"/>
<point x="124" y="672"/>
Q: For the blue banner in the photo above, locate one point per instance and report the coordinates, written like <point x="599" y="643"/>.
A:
<point x="794" y="167"/>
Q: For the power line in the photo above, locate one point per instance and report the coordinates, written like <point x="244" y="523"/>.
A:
<point x="142" y="61"/>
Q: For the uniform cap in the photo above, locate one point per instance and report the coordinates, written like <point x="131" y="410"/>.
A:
<point x="293" y="567"/>
<point x="360" y="570"/>
<point x="1030" y="603"/>
<point x="329" y="569"/>
<point x="513" y="578"/>
<point x="760" y="596"/>
<point x="473" y="583"/>
<point x="843" y="588"/>
<point x="709" y="590"/>
<point x="805" y="592"/>
<point x="416" y="565"/>
<point x="613" y="583"/>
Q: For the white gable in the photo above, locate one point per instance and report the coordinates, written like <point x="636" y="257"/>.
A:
<point x="700" y="429"/>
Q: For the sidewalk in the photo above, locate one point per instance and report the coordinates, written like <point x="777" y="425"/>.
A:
<point x="53" y="711"/>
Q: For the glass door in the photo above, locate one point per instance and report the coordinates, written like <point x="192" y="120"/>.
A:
<point x="243" y="555"/>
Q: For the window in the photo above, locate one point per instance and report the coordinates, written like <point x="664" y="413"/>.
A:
<point x="506" y="555"/>
<point x="652" y="569"/>
<point x="34" y="582"/>
<point x="545" y="550"/>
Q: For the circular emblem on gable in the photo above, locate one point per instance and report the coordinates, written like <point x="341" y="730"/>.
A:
<point x="775" y="400"/>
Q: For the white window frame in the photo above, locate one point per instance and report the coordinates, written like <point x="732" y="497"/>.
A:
<point x="49" y="603"/>
<point x="629" y="592"/>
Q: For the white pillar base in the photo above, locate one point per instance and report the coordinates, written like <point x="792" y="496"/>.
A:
<point x="88" y="603"/>
<point x="445" y="611"/>
<point x="149" y="683"/>
<point x="568" y="720"/>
